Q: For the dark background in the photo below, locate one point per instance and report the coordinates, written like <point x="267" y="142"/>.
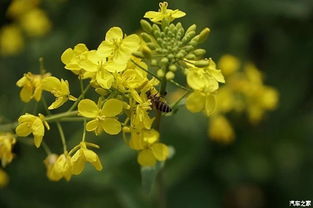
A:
<point x="267" y="165"/>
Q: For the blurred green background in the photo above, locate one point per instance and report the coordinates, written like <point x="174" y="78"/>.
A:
<point x="266" y="166"/>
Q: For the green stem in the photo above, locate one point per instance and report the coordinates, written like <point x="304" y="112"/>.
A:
<point x="62" y="137"/>
<point x="79" y="98"/>
<point x="178" y="101"/>
<point x="8" y="127"/>
<point x="160" y="180"/>
<point x="46" y="148"/>
<point x="180" y="86"/>
<point x="84" y="131"/>
<point x="146" y="70"/>
<point x="60" y="116"/>
<point x="72" y="119"/>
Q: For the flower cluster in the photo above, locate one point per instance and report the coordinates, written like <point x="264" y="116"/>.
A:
<point x="27" y="17"/>
<point x="129" y="75"/>
<point x="244" y="92"/>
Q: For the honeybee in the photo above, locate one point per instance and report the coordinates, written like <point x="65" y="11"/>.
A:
<point x="157" y="103"/>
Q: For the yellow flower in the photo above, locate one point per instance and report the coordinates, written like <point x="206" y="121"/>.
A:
<point x="198" y="101"/>
<point x="59" y="88"/>
<point x="31" y="85"/>
<point x="61" y="168"/>
<point x="49" y="163"/>
<point x="28" y="124"/>
<point x="84" y="155"/>
<point x="103" y="116"/>
<point x="104" y="78"/>
<point x="11" y="40"/>
<point x="79" y="58"/>
<point x="7" y="141"/>
<point x="205" y="79"/>
<point x="133" y="77"/>
<point x="35" y="22"/>
<point x="4" y="178"/>
<point x="142" y="138"/>
<point x="118" y="49"/>
<point x="220" y="129"/>
<point x="146" y="141"/>
<point x="164" y="14"/>
<point x="140" y="116"/>
<point x="228" y="64"/>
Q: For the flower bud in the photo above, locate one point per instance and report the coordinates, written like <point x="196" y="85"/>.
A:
<point x="203" y="35"/>
<point x="146" y="26"/>
<point x="191" y="28"/>
<point x="154" y="62"/>
<point x="170" y="75"/>
<point x="179" y="26"/>
<point x="199" y="52"/>
<point x="173" y="67"/>
<point x="146" y="37"/>
<point x="202" y="63"/>
<point x="180" y="55"/>
<point x="151" y="46"/>
<point x="188" y="36"/>
<point x="191" y="56"/>
<point x="156" y="29"/>
<point x="146" y="52"/>
<point x="172" y="28"/>
<point x="164" y="60"/>
<point x="170" y="56"/>
<point x="160" y="73"/>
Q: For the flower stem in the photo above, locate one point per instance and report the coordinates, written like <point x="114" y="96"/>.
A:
<point x="79" y="98"/>
<point x="62" y="137"/>
<point x="60" y="116"/>
<point x="160" y="180"/>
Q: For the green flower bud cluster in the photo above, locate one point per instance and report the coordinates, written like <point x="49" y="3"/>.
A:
<point x="171" y="44"/>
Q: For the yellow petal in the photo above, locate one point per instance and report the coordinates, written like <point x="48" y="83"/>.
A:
<point x="57" y="103"/>
<point x="105" y="79"/>
<point x="80" y="48"/>
<point x="111" y="126"/>
<point x="210" y="104"/>
<point x="115" y="33"/>
<point x="217" y="74"/>
<point x="131" y="42"/>
<point x="37" y="141"/>
<point x="88" y="108"/>
<point x="37" y="93"/>
<point x="195" y="102"/>
<point x="92" y="125"/>
<point x="78" y="162"/>
<point x="50" y="83"/>
<point x="177" y="14"/>
<point x="26" y="94"/>
<point x="112" y="108"/>
<point x="151" y="136"/>
<point x="21" y="82"/>
<point x="93" y="158"/>
<point x="146" y="158"/>
<point x="160" y="151"/>
<point x="195" y="80"/>
<point x="23" y="130"/>
<point x="105" y="48"/>
<point x="67" y="56"/>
